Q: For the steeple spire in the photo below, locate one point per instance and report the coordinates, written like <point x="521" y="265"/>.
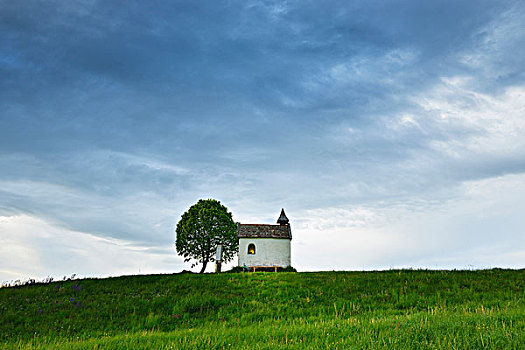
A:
<point x="283" y="220"/>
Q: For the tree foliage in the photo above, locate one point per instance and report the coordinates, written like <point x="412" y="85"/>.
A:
<point x="202" y="228"/>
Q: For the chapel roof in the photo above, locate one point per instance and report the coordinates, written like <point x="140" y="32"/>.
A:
<point x="264" y="231"/>
<point x="282" y="230"/>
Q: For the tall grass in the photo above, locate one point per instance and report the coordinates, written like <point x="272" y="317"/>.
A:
<point x="385" y="309"/>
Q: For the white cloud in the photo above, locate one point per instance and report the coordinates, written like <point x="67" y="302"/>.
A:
<point x="31" y="247"/>
<point x="482" y="227"/>
<point x="147" y="161"/>
<point x="499" y="47"/>
<point x="385" y="67"/>
<point x="476" y="122"/>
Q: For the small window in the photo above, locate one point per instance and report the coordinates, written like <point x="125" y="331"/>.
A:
<point x="251" y="249"/>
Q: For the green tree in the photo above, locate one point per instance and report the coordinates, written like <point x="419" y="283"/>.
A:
<point x="202" y="228"/>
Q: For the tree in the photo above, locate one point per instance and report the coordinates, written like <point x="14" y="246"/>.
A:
<point x="202" y="228"/>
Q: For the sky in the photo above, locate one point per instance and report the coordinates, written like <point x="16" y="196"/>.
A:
<point x="391" y="132"/>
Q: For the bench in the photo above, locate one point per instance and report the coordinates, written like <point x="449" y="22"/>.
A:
<point x="254" y="268"/>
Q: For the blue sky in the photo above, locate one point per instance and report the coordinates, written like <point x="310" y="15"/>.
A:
<point x="392" y="132"/>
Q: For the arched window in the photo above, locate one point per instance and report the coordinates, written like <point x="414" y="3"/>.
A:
<point x="251" y="248"/>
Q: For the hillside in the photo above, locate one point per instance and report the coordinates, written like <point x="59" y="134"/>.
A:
<point x="383" y="309"/>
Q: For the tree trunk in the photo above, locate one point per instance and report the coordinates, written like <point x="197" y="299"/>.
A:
<point x="204" y="266"/>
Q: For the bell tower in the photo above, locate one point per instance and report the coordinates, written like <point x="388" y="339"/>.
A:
<point x="283" y="220"/>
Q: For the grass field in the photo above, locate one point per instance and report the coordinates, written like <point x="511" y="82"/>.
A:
<point x="402" y="309"/>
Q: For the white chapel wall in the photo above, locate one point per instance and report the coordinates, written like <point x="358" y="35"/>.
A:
<point x="268" y="252"/>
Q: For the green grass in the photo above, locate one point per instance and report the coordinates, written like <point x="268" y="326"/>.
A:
<point x="400" y="309"/>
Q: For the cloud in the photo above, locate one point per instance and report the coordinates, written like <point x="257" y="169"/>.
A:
<point x="34" y="248"/>
<point x="475" y="230"/>
<point x="117" y="117"/>
<point x="498" y="48"/>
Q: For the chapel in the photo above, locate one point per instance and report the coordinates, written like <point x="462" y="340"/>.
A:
<point x="262" y="245"/>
